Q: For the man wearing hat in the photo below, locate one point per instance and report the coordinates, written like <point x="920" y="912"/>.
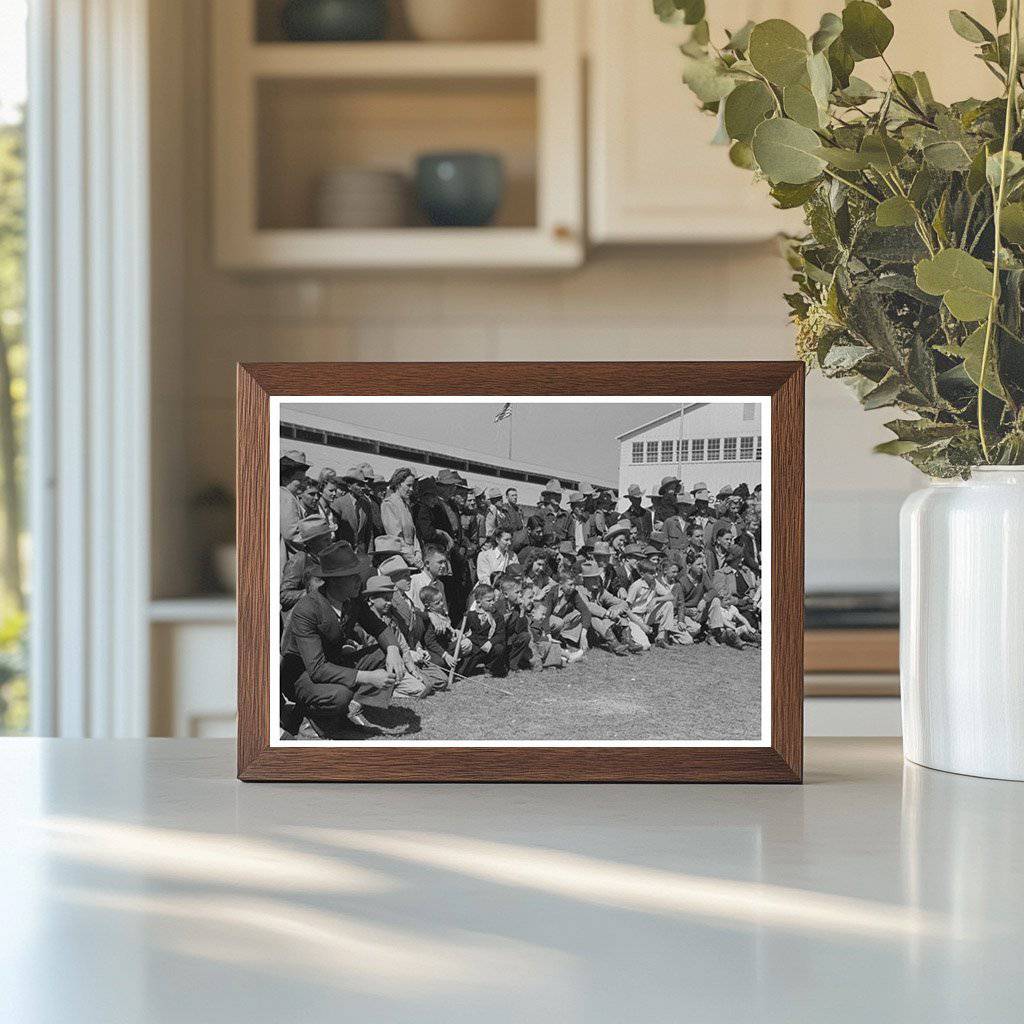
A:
<point x="663" y="504"/>
<point x="326" y="667"/>
<point x="582" y="531"/>
<point x="415" y="626"/>
<point x="353" y="507"/>
<point x="640" y="517"/>
<point x="296" y="577"/>
<point x="556" y="519"/>
<point x="291" y="474"/>
<point x="675" y="528"/>
<point x="379" y="593"/>
<point x="609" y="616"/>
<point x="439" y="522"/>
<point x="604" y="511"/>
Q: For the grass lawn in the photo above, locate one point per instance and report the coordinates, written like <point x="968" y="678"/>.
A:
<point x="685" y="693"/>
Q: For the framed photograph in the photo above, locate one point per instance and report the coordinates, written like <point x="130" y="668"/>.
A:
<point x="578" y="572"/>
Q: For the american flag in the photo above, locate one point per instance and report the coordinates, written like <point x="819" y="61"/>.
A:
<point x="506" y="411"/>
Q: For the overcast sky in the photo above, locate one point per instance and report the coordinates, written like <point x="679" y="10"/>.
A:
<point x="577" y="437"/>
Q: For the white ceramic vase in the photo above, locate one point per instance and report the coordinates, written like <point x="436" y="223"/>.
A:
<point x="962" y="624"/>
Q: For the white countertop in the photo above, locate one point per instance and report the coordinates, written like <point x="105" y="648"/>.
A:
<point x="140" y="882"/>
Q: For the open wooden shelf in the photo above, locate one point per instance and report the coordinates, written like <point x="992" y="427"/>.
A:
<point x="286" y="114"/>
<point x="392" y="60"/>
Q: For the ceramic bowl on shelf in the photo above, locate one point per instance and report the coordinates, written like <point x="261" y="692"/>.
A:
<point x="470" y="20"/>
<point x="362" y="197"/>
<point x="334" y="21"/>
<point x="460" y="189"/>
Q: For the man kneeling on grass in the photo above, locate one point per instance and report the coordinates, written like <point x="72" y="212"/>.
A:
<point x="491" y="647"/>
<point x="327" y="667"/>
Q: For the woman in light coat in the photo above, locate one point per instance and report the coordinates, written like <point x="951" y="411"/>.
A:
<point x="396" y="514"/>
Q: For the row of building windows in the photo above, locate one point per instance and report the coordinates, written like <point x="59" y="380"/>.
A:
<point x="698" y="449"/>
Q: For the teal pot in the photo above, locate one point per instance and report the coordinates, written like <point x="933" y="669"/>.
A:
<point x="334" y="21"/>
<point x="462" y="190"/>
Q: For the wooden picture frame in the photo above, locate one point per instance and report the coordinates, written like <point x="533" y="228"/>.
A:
<point x="780" y="759"/>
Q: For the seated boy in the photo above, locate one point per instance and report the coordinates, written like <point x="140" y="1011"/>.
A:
<point x="650" y="610"/>
<point x="609" y="616"/>
<point x="486" y="630"/>
<point x="445" y="633"/>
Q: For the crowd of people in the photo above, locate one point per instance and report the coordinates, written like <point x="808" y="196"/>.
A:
<point x="403" y="586"/>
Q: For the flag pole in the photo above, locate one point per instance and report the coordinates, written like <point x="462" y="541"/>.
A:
<point x="679" y="443"/>
<point x="510" y="418"/>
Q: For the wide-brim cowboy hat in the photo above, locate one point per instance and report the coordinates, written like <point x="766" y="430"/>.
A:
<point x="623" y="526"/>
<point x="311" y="527"/>
<point x="449" y="478"/>
<point x="385" y="545"/>
<point x="378" y="586"/>
<point x="635" y="550"/>
<point x="591" y="570"/>
<point x="685" y="498"/>
<point x="602" y="547"/>
<point x="294" y="459"/>
<point x="576" y="498"/>
<point x="395" y="565"/>
<point x="553" y="486"/>
<point x="339" y="559"/>
<point x="667" y="482"/>
<point x="354" y="475"/>
<point x="634" y="491"/>
<point x="725" y="492"/>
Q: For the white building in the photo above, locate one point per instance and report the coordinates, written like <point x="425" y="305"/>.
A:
<point x="716" y="443"/>
<point x="340" y="445"/>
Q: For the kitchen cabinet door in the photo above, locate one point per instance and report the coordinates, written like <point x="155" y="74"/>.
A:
<point x="653" y="175"/>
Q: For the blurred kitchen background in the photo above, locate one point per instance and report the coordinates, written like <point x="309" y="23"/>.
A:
<point x="291" y="217"/>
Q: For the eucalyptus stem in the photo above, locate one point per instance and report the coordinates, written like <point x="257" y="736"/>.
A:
<point x="1011" y="109"/>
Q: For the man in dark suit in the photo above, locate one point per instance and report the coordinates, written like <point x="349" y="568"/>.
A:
<point x="439" y="521"/>
<point x="326" y="668"/>
<point x="639" y="516"/>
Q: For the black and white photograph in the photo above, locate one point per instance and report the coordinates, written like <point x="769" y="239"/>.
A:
<point x="556" y="571"/>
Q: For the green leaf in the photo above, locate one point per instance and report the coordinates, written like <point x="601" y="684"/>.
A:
<point x="801" y="106"/>
<point x="924" y="88"/>
<point x="787" y="196"/>
<point x="969" y="28"/>
<point x="741" y="155"/>
<point x="779" y="51"/>
<point x="993" y="167"/>
<point x="745" y="108"/>
<point x="895" y="447"/>
<point x="963" y="281"/>
<point x="882" y="151"/>
<point x="971" y="352"/>
<point x="976" y="174"/>
<point x="923" y="431"/>
<point x="866" y="29"/>
<point x="829" y="30"/>
<point x="787" y="151"/>
<point x="1012" y="224"/>
<point x="999" y="9"/>
<point x="690" y="12"/>
<point x="857" y="91"/>
<point x="707" y="78"/>
<point x="885" y="394"/>
<point x="739" y="41"/>
<point x="841" y="63"/>
<point x="895" y="212"/>
<point x="922" y="185"/>
<point x="819" y="74"/>
<point x="947" y="156"/>
<point x="844" y="159"/>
